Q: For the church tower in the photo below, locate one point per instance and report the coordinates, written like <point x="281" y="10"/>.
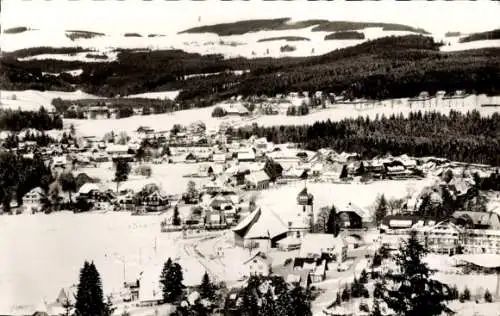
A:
<point x="305" y="201"/>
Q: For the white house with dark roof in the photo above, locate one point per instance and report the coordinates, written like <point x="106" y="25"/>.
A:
<point x="260" y="229"/>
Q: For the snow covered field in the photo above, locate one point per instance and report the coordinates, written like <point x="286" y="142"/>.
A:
<point x="334" y="113"/>
<point x="32" y="100"/>
<point x="43" y="253"/>
<point x="245" y="45"/>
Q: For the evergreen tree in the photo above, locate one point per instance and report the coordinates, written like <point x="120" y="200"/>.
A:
<point x="465" y="295"/>
<point x="164" y="281"/>
<point x="300" y="305"/>
<point x="122" y="170"/>
<point x="207" y="288"/>
<point x="487" y="296"/>
<point x="343" y="173"/>
<point x="176" y="221"/>
<point x="363" y="279"/>
<point x="454" y="293"/>
<point x="381" y="209"/>
<point x="376" y="308"/>
<point x="89" y="296"/>
<point x="174" y="280"/>
<point x="346" y="294"/>
<point x="333" y="226"/>
<point x="68" y="184"/>
<point x="415" y="292"/>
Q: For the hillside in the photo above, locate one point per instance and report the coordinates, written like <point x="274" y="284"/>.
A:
<point x="389" y="67"/>
<point x="490" y="35"/>
<point x="284" y="38"/>
<point x="347" y="35"/>
<point x="249" y="26"/>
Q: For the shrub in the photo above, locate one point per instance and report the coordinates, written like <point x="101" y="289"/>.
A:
<point x="218" y="112"/>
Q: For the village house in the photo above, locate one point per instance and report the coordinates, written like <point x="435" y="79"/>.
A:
<point x="257" y="180"/>
<point x="261" y="229"/>
<point x="236" y="109"/>
<point x="33" y="200"/>
<point x="351" y="216"/>
<point x="258" y="264"/>
<point x="151" y="201"/>
<point x="319" y="245"/>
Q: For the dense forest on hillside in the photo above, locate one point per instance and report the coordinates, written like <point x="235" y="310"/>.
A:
<point x="16" y="30"/>
<point x="490" y="35"/>
<point x="284" y="38"/>
<point x="382" y="68"/>
<point x="347" y="35"/>
<point x="248" y="26"/>
<point x="15" y="120"/>
<point x="460" y="137"/>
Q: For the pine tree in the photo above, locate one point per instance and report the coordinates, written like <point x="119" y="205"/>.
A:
<point x="381" y="209"/>
<point x="300" y="305"/>
<point x="346" y="295"/>
<point x="89" y="297"/>
<point x="487" y="296"/>
<point x="465" y="296"/>
<point x="343" y="173"/>
<point x="332" y="223"/>
<point x="363" y="279"/>
<point x="176" y="221"/>
<point x="174" y="280"/>
<point x="122" y="170"/>
<point x="414" y="292"/>
<point x="207" y="288"/>
<point x="376" y="308"/>
<point x="164" y="279"/>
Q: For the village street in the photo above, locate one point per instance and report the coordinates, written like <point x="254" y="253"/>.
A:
<point x="331" y="285"/>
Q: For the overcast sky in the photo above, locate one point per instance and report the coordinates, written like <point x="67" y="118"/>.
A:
<point x="160" y="16"/>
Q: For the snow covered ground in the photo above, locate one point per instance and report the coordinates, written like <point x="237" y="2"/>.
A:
<point x="32" y="100"/>
<point x="246" y="45"/>
<point x="334" y="113"/>
<point x="156" y="95"/>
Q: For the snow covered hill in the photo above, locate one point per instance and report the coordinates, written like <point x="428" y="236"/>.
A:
<point x="260" y="43"/>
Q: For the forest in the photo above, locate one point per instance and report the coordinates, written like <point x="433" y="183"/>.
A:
<point x="19" y="175"/>
<point x="458" y="137"/>
<point x="489" y="35"/>
<point x="247" y="26"/>
<point x="15" y="120"/>
<point x="390" y="67"/>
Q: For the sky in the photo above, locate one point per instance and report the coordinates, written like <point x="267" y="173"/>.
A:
<point x="160" y="16"/>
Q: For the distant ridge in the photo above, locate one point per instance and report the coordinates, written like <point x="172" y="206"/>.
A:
<point x="489" y="35"/>
<point x="248" y="26"/>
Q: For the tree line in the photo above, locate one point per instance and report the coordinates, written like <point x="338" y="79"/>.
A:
<point x="389" y="67"/>
<point x="17" y="120"/>
<point x="459" y="137"/>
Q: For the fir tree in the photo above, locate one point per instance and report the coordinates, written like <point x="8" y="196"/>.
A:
<point x="487" y="296"/>
<point x="343" y="173"/>
<point x="414" y="292"/>
<point x="363" y="279"/>
<point x="346" y="295"/>
<point x="122" y="170"/>
<point x="164" y="279"/>
<point x="207" y="288"/>
<point x="89" y="297"/>
<point x="332" y="224"/>
<point x="174" y="280"/>
<point x="176" y="221"/>
<point x="465" y="295"/>
<point x="381" y="209"/>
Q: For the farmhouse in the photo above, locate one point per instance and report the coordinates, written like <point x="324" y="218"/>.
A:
<point x="260" y="229"/>
<point x="258" y="264"/>
<point x="258" y="180"/>
<point x="33" y="200"/>
<point x="319" y="245"/>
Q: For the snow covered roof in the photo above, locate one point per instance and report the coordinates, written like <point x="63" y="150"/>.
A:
<point x="113" y="148"/>
<point x="350" y="207"/>
<point x="482" y="260"/>
<point x="87" y="187"/>
<point x="316" y="244"/>
<point x="261" y="224"/>
<point x="257" y="177"/>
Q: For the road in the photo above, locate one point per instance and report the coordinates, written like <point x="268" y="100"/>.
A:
<point x="331" y="286"/>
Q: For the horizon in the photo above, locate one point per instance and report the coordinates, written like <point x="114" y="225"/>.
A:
<point x="167" y="17"/>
